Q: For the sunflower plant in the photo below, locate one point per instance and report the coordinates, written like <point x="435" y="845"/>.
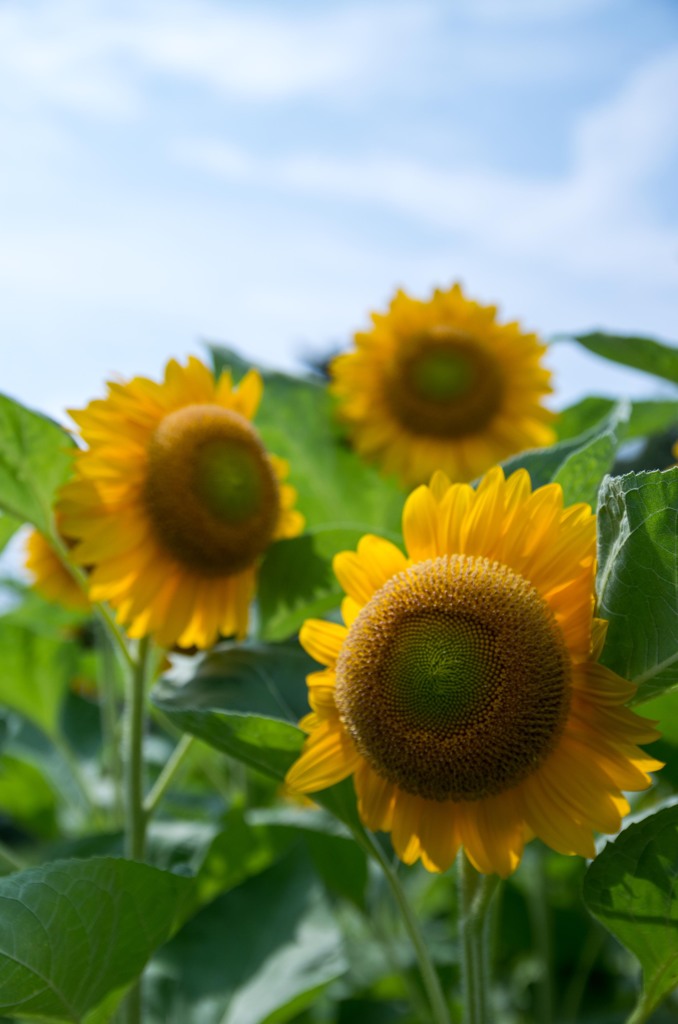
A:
<point x="346" y="696"/>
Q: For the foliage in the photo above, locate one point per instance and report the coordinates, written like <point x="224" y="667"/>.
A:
<point x="248" y="906"/>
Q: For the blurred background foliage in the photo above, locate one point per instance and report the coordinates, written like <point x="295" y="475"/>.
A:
<point x="256" y="907"/>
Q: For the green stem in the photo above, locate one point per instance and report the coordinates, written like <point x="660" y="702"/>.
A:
<point x="475" y="895"/>
<point x="166" y="776"/>
<point x="135" y="822"/>
<point x="643" y="1009"/>
<point x="116" y="634"/>
<point x="135" y="819"/>
<point x="429" y="975"/>
<point x="109" y="720"/>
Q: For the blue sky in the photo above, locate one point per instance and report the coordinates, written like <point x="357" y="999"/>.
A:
<point x="264" y="174"/>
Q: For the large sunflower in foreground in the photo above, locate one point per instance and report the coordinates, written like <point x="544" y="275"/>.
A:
<point x="175" y="501"/>
<point x="441" y="385"/>
<point x="463" y="692"/>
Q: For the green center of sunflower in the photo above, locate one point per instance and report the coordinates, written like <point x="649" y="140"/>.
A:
<point x="444" y="384"/>
<point x="441" y="375"/>
<point x="454" y="680"/>
<point x="210" y="492"/>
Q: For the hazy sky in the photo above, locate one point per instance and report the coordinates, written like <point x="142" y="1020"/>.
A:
<point x="264" y="174"/>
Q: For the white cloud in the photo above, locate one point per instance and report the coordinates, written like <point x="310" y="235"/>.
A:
<point x="59" y="55"/>
<point x="93" y="57"/>
<point x="625" y="140"/>
<point x="594" y="218"/>
<point x="112" y="259"/>
<point x="270" y="54"/>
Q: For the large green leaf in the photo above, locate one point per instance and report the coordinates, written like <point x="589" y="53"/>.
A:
<point x="296" y="581"/>
<point x="35" y="459"/>
<point x="544" y="464"/>
<point x="581" y="472"/>
<point x="630" y="888"/>
<point x="638" y="578"/>
<point x="297" y="422"/>
<point x="260" y="953"/>
<point x="640" y="353"/>
<point x="647" y="417"/>
<point x="244" y="700"/>
<point x="42" y="655"/>
<point x="73" y="931"/>
<point x="339" y="861"/>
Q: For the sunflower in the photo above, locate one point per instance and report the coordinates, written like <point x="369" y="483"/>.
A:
<point x="50" y="576"/>
<point x="463" y="692"/>
<point x="442" y="385"/>
<point x="175" y="500"/>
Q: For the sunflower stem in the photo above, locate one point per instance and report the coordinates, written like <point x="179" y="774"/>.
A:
<point x="166" y="776"/>
<point x="116" y="635"/>
<point x="475" y="895"/>
<point x="643" y="1009"/>
<point x="135" y="820"/>
<point x="109" y="719"/>
<point x="439" y="1010"/>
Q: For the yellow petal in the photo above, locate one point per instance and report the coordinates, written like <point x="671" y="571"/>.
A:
<point x="420" y="525"/>
<point x="322" y="640"/>
<point x="439" y="835"/>
<point x="493" y="833"/>
<point x="406" y="822"/>
<point x="361" y="573"/>
<point x="376" y="798"/>
<point x="248" y="395"/>
<point x="328" y="757"/>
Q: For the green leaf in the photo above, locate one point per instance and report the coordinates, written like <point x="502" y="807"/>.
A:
<point x="651" y="418"/>
<point x="339" y="861"/>
<point x="640" y="353"/>
<point x="296" y="581"/>
<point x="240" y="705"/>
<point x="261" y="953"/>
<point x="581" y="472"/>
<point x="647" y="417"/>
<point x="664" y="711"/>
<point x="268" y="680"/>
<point x="8" y="527"/>
<point x="297" y="422"/>
<point x="630" y="888"/>
<point x="544" y="464"/>
<point x="26" y="796"/>
<point x="73" y="931"/>
<point x="41" y="657"/>
<point x="244" y="701"/>
<point x="638" y="578"/>
<point x="35" y="459"/>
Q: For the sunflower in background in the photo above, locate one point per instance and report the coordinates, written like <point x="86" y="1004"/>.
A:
<point x="463" y="692"/>
<point x="49" y="575"/>
<point x="174" y="502"/>
<point x="441" y="385"/>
